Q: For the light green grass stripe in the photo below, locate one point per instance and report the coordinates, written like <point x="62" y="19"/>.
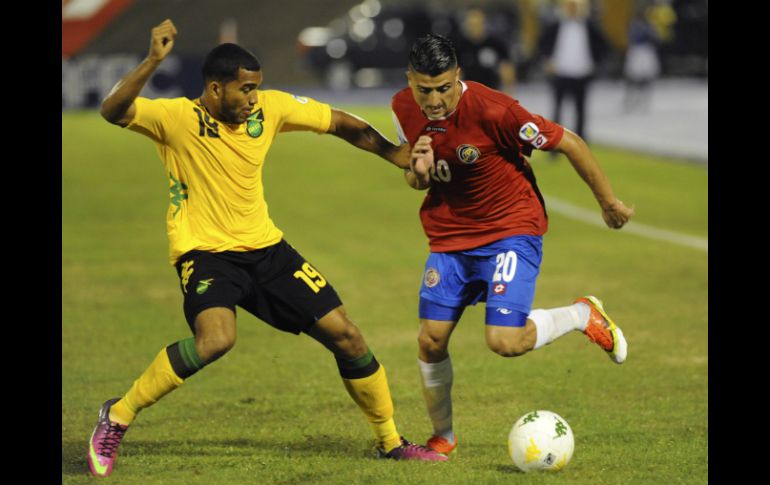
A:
<point x="594" y="217"/>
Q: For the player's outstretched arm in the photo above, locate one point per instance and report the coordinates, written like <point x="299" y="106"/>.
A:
<point x="361" y="134"/>
<point x="118" y="106"/>
<point x="614" y="212"/>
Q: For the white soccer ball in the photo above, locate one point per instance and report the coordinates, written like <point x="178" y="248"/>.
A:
<point x="541" y="440"/>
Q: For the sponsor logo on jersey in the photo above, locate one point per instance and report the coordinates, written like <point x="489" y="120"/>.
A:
<point x="435" y="128"/>
<point x="254" y="124"/>
<point x="432" y="277"/>
<point x="301" y="99"/>
<point x="529" y="131"/>
<point x="468" y="154"/>
<point x="505" y="311"/>
<point x="540" y="141"/>
<point x="499" y="289"/>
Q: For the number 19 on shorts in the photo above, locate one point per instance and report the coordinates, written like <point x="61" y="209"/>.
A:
<point x="311" y="277"/>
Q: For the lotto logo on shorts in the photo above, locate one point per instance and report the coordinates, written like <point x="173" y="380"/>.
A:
<point x="499" y="289"/>
<point x="540" y="141"/>
<point x="432" y="277"/>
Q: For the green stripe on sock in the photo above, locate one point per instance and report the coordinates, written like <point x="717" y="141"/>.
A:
<point x="361" y="367"/>
<point x="189" y="354"/>
<point x="362" y="361"/>
<point x="183" y="357"/>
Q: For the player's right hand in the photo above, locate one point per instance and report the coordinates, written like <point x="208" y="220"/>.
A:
<point x="421" y="160"/>
<point x="616" y="214"/>
<point x="162" y="40"/>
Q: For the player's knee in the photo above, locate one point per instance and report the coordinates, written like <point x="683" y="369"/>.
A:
<point x="349" y="341"/>
<point x="213" y="346"/>
<point x="431" y="346"/>
<point x="508" y="347"/>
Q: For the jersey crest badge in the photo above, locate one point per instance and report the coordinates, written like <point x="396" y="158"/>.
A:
<point x="468" y="154"/>
<point x="432" y="277"/>
<point x="254" y="124"/>
<point x="529" y="131"/>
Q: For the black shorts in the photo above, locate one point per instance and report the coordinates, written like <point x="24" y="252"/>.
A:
<point x="275" y="284"/>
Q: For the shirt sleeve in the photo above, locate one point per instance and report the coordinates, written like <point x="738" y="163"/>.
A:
<point x="399" y="131"/>
<point x="302" y="113"/>
<point x="520" y="127"/>
<point x="156" y="118"/>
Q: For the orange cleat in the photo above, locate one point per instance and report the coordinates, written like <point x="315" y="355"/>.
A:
<point x="603" y="331"/>
<point x="441" y="445"/>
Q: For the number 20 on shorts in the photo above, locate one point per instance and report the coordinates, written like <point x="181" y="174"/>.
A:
<point x="311" y="277"/>
<point x="506" y="267"/>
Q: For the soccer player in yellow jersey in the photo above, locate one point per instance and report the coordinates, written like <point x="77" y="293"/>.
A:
<point x="226" y="249"/>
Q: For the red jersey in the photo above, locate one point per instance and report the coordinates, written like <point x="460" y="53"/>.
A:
<point x="483" y="189"/>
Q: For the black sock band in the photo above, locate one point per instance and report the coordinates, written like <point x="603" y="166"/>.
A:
<point x="359" y="368"/>
<point x="184" y="358"/>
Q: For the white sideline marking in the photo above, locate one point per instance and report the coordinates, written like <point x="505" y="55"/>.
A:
<point x="594" y="218"/>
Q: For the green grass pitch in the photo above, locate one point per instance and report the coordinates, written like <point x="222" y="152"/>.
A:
<point x="274" y="410"/>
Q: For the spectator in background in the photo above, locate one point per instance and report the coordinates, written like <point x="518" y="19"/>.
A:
<point x="484" y="58"/>
<point x="572" y="47"/>
<point x="641" y="66"/>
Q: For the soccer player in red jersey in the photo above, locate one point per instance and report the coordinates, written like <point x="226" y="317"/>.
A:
<point x="485" y="218"/>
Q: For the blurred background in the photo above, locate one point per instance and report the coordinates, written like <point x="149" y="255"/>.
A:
<point x="648" y="86"/>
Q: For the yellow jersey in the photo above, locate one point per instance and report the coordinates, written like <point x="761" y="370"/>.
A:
<point x="216" y="197"/>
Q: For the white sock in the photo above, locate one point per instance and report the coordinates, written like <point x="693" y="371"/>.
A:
<point x="437" y="389"/>
<point x="555" y="322"/>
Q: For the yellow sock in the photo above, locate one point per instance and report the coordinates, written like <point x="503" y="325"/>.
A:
<point x="372" y="395"/>
<point x="158" y="380"/>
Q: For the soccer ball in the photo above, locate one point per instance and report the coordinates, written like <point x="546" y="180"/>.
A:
<point x="541" y="440"/>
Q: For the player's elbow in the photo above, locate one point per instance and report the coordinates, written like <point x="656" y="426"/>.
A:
<point x="109" y="114"/>
<point x="115" y="113"/>
<point x="571" y="143"/>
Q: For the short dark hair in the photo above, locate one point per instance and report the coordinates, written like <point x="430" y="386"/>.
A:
<point x="224" y="61"/>
<point x="432" y="55"/>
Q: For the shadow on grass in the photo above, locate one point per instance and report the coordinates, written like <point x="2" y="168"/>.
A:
<point x="74" y="452"/>
<point x="509" y="469"/>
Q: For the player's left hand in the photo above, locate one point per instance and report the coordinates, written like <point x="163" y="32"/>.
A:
<point x="616" y="214"/>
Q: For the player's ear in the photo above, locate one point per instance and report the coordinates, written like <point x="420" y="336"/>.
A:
<point x="214" y="89"/>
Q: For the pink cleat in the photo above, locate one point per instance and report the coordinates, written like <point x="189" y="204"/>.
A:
<point x="412" y="451"/>
<point x="103" y="446"/>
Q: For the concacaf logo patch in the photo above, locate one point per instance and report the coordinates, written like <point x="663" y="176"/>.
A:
<point x="432" y="277"/>
<point x="529" y="131"/>
<point x="468" y="154"/>
<point x="254" y="124"/>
